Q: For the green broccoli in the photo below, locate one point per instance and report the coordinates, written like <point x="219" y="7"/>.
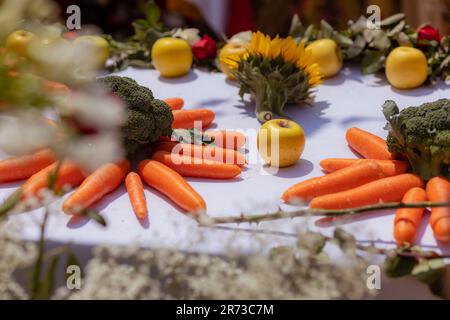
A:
<point x="422" y="134"/>
<point x="148" y="118"/>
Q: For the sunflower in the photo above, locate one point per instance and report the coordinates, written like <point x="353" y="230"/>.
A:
<point x="275" y="72"/>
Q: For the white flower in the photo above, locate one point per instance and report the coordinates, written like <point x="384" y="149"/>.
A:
<point x="93" y="151"/>
<point x="191" y="35"/>
<point x="98" y="110"/>
<point x="241" y="37"/>
<point x="24" y="132"/>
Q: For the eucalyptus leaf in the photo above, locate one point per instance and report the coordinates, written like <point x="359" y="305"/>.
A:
<point x="381" y="40"/>
<point x="396" y="18"/>
<point x="359" y="26"/>
<point x="296" y="28"/>
<point x="397" y="29"/>
<point x="372" y="62"/>
<point x="357" y="48"/>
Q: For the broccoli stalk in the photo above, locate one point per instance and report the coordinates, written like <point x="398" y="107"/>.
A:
<point x="422" y="135"/>
<point x="147" y="118"/>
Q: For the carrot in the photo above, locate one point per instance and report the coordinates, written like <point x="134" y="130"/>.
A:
<point x="98" y="184"/>
<point x="135" y="190"/>
<point x="391" y="189"/>
<point x="407" y="220"/>
<point x="203" y="152"/>
<point x="390" y="167"/>
<point x="368" y="145"/>
<point x="55" y="87"/>
<point x="187" y="119"/>
<point x="438" y="190"/>
<point x="69" y="174"/>
<point x="345" y="179"/>
<point x="18" y="168"/>
<point x="175" y="103"/>
<point x="171" y="184"/>
<point x="199" y="168"/>
<point x="227" y="139"/>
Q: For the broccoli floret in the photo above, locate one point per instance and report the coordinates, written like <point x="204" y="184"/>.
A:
<point x="148" y="118"/>
<point x="421" y="134"/>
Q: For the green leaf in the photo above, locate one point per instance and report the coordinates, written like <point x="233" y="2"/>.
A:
<point x="152" y="13"/>
<point x="396" y="18"/>
<point x="296" y="28"/>
<point x="397" y="29"/>
<point x="381" y="40"/>
<point x="372" y="62"/>
<point x="428" y="271"/>
<point x="94" y="215"/>
<point x="10" y="202"/>
<point x="397" y="266"/>
<point x="47" y="283"/>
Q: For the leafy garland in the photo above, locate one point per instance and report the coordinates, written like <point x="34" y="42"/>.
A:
<point x="372" y="46"/>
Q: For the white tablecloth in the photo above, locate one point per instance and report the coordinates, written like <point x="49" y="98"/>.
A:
<point x="342" y="102"/>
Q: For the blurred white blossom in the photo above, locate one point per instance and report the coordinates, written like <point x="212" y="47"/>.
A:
<point x="191" y="35"/>
<point x="24" y="132"/>
<point x="94" y="150"/>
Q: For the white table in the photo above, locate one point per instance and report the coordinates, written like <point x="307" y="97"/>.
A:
<point x="342" y="102"/>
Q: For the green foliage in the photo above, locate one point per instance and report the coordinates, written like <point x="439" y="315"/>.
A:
<point x="274" y="84"/>
<point x="136" y="52"/>
<point x="372" y="46"/>
<point x="422" y="134"/>
<point x="148" y="118"/>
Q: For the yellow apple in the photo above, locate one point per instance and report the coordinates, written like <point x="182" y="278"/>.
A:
<point x="327" y="54"/>
<point x="18" y="42"/>
<point x="98" y="47"/>
<point x="406" y="68"/>
<point x="232" y="50"/>
<point x="172" y="57"/>
<point x="281" y="142"/>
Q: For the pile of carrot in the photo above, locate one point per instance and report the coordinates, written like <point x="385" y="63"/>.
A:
<point x="165" y="171"/>
<point x="377" y="178"/>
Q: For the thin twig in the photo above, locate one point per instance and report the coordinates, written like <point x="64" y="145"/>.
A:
<point x="365" y="248"/>
<point x="308" y="212"/>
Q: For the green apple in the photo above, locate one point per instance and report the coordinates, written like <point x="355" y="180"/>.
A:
<point x="281" y="142"/>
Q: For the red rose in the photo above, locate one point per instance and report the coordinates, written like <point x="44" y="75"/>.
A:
<point x="428" y="33"/>
<point x="205" y="48"/>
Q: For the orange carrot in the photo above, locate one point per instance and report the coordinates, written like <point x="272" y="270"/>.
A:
<point x="391" y="189"/>
<point x="172" y="185"/>
<point x="345" y="179"/>
<point x="102" y="181"/>
<point x="23" y="167"/>
<point x="199" y="168"/>
<point x="55" y="87"/>
<point x="438" y="190"/>
<point x="203" y="152"/>
<point x="175" y="103"/>
<point x="227" y="139"/>
<point x="407" y="220"/>
<point x="135" y="190"/>
<point x="69" y="174"/>
<point x="187" y="119"/>
<point x="368" y="145"/>
<point x="390" y="167"/>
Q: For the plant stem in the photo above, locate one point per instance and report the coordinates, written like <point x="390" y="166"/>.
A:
<point x="308" y="212"/>
<point x="364" y="248"/>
